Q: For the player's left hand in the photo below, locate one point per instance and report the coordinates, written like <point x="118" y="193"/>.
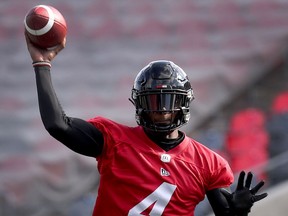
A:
<point x="243" y="198"/>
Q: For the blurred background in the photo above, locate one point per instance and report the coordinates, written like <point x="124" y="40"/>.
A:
<point x="234" y="52"/>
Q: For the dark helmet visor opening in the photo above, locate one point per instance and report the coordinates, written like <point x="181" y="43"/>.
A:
<point x="164" y="102"/>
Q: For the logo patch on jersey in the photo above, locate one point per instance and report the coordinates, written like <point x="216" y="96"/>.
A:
<point x="164" y="172"/>
<point x="166" y="158"/>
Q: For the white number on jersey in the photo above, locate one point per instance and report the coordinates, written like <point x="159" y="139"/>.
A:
<point x="161" y="197"/>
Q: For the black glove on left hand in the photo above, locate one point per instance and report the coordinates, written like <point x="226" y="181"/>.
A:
<point x="243" y="198"/>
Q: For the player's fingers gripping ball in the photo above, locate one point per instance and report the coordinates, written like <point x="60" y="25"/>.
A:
<point x="45" y="26"/>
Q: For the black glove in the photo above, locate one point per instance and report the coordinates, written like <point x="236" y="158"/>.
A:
<point x="243" y="198"/>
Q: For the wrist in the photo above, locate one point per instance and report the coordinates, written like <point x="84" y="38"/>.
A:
<point x="240" y="211"/>
<point x="41" y="63"/>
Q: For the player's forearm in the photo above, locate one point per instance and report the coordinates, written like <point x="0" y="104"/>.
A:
<point x="52" y="115"/>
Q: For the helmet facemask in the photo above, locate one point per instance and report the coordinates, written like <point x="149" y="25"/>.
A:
<point x="175" y="102"/>
<point x="152" y="94"/>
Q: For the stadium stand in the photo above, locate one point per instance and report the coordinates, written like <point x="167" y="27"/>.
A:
<point x="277" y="127"/>
<point x="247" y="141"/>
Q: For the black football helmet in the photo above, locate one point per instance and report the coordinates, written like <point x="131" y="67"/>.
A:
<point x="162" y="86"/>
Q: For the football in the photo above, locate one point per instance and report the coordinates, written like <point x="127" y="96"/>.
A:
<point x="45" y="25"/>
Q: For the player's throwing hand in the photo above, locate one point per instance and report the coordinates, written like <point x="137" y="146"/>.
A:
<point x="43" y="55"/>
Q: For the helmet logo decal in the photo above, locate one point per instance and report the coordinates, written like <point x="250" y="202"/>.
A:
<point x="161" y="86"/>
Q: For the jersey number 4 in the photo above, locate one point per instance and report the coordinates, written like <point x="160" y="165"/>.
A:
<point x="161" y="197"/>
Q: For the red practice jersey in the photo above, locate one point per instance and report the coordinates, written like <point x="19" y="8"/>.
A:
<point x="137" y="177"/>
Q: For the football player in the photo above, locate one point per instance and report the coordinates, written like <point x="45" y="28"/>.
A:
<point x="153" y="168"/>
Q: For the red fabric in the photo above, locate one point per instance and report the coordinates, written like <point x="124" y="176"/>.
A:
<point x="132" y="172"/>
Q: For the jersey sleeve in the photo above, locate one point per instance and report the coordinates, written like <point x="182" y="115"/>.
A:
<point x="102" y="124"/>
<point x="112" y="132"/>
<point x="222" y="176"/>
